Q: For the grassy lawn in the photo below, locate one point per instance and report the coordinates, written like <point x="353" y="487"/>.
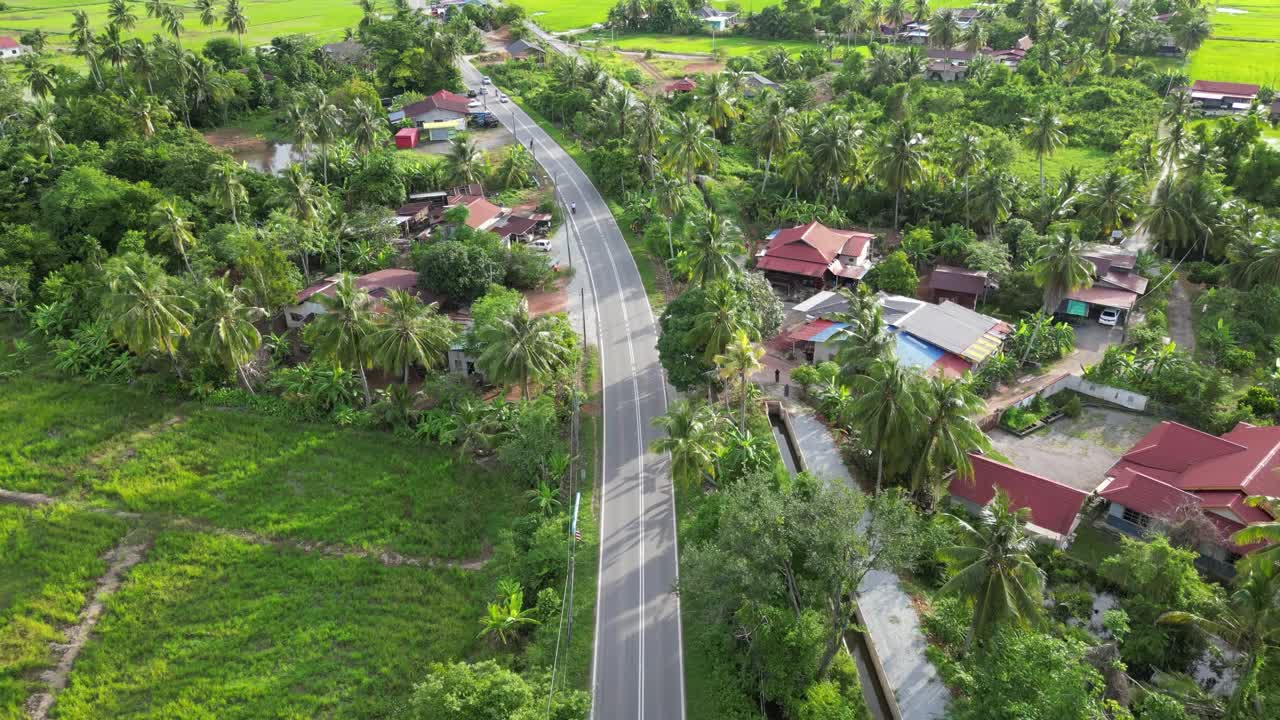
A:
<point x="267" y="19"/>
<point x="211" y="626"/>
<point x="1237" y="61"/>
<point x="1088" y="160"/>
<point x="49" y="558"/>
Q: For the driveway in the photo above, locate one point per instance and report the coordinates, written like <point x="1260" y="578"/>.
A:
<point x="486" y="139"/>
<point x="1092" y="340"/>
<point x="1076" y="451"/>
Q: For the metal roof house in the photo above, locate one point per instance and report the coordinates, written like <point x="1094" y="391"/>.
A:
<point x="1221" y="97"/>
<point x="378" y="284"/>
<point x="1116" y="285"/>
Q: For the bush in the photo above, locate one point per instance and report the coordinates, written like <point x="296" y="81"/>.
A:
<point x="1019" y="419"/>
<point x="1204" y="273"/>
<point x="947" y="622"/>
<point x="1073" y="601"/>
<point x="1260" y="401"/>
<point x="1237" y="359"/>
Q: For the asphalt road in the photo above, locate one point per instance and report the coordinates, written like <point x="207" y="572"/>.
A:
<point x="638" y="667"/>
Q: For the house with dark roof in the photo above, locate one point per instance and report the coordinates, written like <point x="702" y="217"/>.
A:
<point x="1175" y="467"/>
<point x="378" y="284"/>
<point x="1116" y="285"/>
<point x="347" y="51"/>
<point x="1054" y="507"/>
<point x="523" y="49"/>
<point x="755" y="83"/>
<point x="683" y="85"/>
<point x="961" y="286"/>
<point x="814" y="255"/>
<point x="11" y="49"/>
<point x="1220" y="97"/>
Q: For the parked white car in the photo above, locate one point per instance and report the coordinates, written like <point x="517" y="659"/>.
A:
<point x="1109" y="316"/>
<point x="544" y="245"/>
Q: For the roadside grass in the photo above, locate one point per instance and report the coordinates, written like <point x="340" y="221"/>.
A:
<point x="1088" y="160"/>
<point x="49" y="558"/>
<point x="311" y="482"/>
<point x="212" y="626"/>
<point x="1236" y="61"/>
<point x="324" y="19"/>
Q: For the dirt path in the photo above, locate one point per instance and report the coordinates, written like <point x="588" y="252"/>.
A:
<point x="1181" y="328"/>
<point x="119" y="560"/>
<point x="157" y="521"/>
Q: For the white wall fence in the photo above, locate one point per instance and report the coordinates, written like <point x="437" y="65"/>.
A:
<point x="1123" y="398"/>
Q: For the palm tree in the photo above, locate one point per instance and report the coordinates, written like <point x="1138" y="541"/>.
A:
<point x="1108" y="25"/>
<point x="739" y="361"/>
<point x="1110" y="198"/>
<point x="949" y="406"/>
<point x="367" y="126"/>
<point x="172" y="22"/>
<point x="466" y="159"/>
<point x="208" y="12"/>
<point x="517" y="167"/>
<point x="85" y="45"/>
<point x="504" y="618"/>
<point x="647" y="135"/>
<point x="43" y="133"/>
<point x="235" y="20"/>
<point x="994" y="568"/>
<point x="1249" y="623"/>
<point x="226" y="332"/>
<point x="944" y="28"/>
<point x="302" y="126"/>
<point x="115" y="50"/>
<point x="1174" y="142"/>
<point x="709" y="253"/>
<point x="900" y="161"/>
<point x="994" y="196"/>
<point x="1060" y="268"/>
<point x="974" y="36"/>
<point x="1262" y="532"/>
<point x="227" y="188"/>
<point x="669" y="192"/>
<point x="887" y="412"/>
<point x="141" y="63"/>
<point x="723" y="318"/>
<point x="693" y="437"/>
<point x="865" y="340"/>
<point x="772" y="130"/>
<point x="966" y="160"/>
<point x="327" y="119"/>
<point x="520" y="349"/>
<point x="169" y="225"/>
<point x="690" y="147"/>
<point x="544" y="498"/>
<point x="300" y="197"/>
<point x="121" y="15"/>
<point x="155" y="8"/>
<point x="1256" y="262"/>
<point x="146" y="313"/>
<point x="410" y="333"/>
<point x="795" y="170"/>
<point x="1044" y="135"/>
<point x="1164" y="219"/>
<point x="145" y="112"/>
<point x="1190" y="28"/>
<point x="896" y="13"/>
<point x="38" y="75"/>
<point x="718" y="103"/>
<point x="342" y="332"/>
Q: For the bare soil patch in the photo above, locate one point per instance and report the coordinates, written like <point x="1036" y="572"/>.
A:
<point x="234" y="139"/>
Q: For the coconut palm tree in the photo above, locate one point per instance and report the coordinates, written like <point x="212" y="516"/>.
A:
<point x="43" y="133"/>
<point x="115" y="50"/>
<point x="886" y="409"/>
<point x="172" y="22"/>
<point x="669" y="192"/>
<point x="795" y="170"/>
<point x="120" y="13"/>
<point x="520" y="349"/>
<point x="226" y="332"/>
<point x="717" y="102"/>
<point x="866" y="338"/>
<point x="993" y="197"/>
<point x="1255" y="261"/>
<point x="896" y="14"/>
<point x="141" y="63"/>
<point x="694" y="436"/>
<point x="516" y="168"/>
<point x="950" y="434"/>
<point x="366" y="126"/>
<point x="1164" y="219"/>
<point x="169" y="226"/>
<point x="227" y="189"/>
<point x="544" y="498"/>
<point x="145" y="112"/>
<point x="234" y="20"/>
<point x="466" y="160"/>
<point x="1111" y="198"/>
<point x="146" y="313"/>
<point x="208" y="12"/>
<point x="504" y="618"/>
<point x="1107" y="26"/>
<point x="1262" y="532"/>
<point x="723" y="318"/>
<point x="944" y="29"/>
<point x="966" y="160"/>
<point x="1060" y="268"/>
<point x="1043" y="133"/>
<point x="994" y="568"/>
<point x="409" y="333"/>
<point x="647" y="135"/>
<point x="772" y="130"/>
<point x="38" y="75"/>
<point x="900" y="161"/>
<point x="710" y="254"/>
<point x="1190" y="27"/>
<point x="326" y="118"/>
<point x="342" y="333"/>
<point x="301" y="198"/>
<point x="155" y="8"/>
<point x="690" y="147"/>
<point x="1174" y="142"/>
<point x="974" y="36"/>
<point x="739" y="361"/>
<point x="86" y="46"/>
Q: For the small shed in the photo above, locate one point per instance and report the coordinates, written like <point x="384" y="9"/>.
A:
<point x="442" y="129"/>
<point x="683" y="85"/>
<point x="407" y="138"/>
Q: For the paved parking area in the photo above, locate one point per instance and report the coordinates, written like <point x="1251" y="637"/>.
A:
<point x="1076" y="451"/>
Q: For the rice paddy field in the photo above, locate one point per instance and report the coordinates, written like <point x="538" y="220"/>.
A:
<point x="733" y="46"/>
<point x="1245" y="46"/>
<point x="324" y="19"/>
<point x="560" y="15"/>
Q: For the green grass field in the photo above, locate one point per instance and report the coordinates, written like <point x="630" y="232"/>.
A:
<point x="1088" y="160"/>
<point x="1237" y="61"/>
<point x="211" y="626"/>
<point x="49" y="558"/>
<point x="692" y="44"/>
<point x="324" y="19"/>
<point x="558" y="15"/>
<point x="1260" y="19"/>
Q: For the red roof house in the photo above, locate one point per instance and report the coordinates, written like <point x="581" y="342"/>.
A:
<point x="1054" y="507"/>
<point x="682" y="85"/>
<point x="959" y="285"/>
<point x="378" y="284"/>
<point x="1175" y="466"/>
<point x="8" y="43"/>
<point x="441" y="105"/>
<point x="1229" y="96"/>
<point x="816" y="254"/>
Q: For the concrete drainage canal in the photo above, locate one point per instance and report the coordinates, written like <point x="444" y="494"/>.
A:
<point x="879" y="700"/>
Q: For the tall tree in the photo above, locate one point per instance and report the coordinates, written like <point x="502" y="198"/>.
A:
<point x="114" y="50"/>
<point x="694" y="437"/>
<point x="170" y="227"/>
<point x="147" y="314"/>
<point x="1110" y="197"/>
<point x="520" y="349"/>
<point x="966" y="161"/>
<point x="142" y="63"/>
<point x="669" y="192"/>
<point x="994" y="568"/>
<point x="226" y="329"/>
<point x="366" y="125"/>
<point x="234" y="20"/>
<point x="1060" y="267"/>
<point x="710" y="252"/>
<point x="1043" y="132"/>
<point x="172" y="22"/>
<point x="772" y="130"/>
<point x="944" y="28"/>
<point x="409" y="333"/>
<point x="887" y="411"/>
<point x="950" y="434"/>
<point x="327" y="120"/>
<point x="227" y="187"/>
<point x="466" y="159"/>
<point x="690" y="147"/>
<point x="342" y="332"/>
<point x="86" y="46"/>
<point x="120" y="14"/>
<point x="208" y="12"/>
<point x="38" y="76"/>
<point x="721" y="320"/>
<point x="740" y="359"/>
<point x="901" y="161"/>
<point x="718" y="102"/>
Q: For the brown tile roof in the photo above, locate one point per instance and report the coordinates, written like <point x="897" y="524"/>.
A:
<point x="1225" y="88"/>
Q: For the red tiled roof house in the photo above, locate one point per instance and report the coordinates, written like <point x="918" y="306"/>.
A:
<point x="1054" y="507"/>
<point x="378" y="283"/>
<point x="11" y="49"/>
<point x="815" y="255"/>
<point x="683" y="85"/>
<point x="440" y="113"/>
<point x="1175" y="466"/>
